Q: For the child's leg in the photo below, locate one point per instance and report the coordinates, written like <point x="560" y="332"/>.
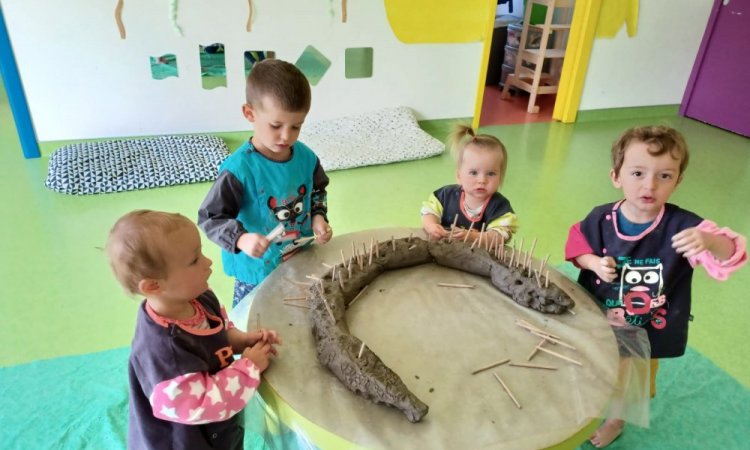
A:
<point x="654" y="369"/>
<point x="241" y="289"/>
<point x="612" y="428"/>
<point x="607" y="432"/>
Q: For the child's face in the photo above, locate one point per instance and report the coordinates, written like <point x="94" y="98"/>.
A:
<point x="276" y="129"/>
<point x="479" y="173"/>
<point x="646" y="181"/>
<point x="187" y="268"/>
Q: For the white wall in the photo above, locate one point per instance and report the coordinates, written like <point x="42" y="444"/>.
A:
<point x="653" y="67"/>
<point x="82" y="81"/>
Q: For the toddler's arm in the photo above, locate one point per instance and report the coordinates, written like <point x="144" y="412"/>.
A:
<point x="721" y="251"/>
<point x="432" y="226"/>
<point x="432" y="212"/>
<point x="506" y="225"/>
<point x="198" y="397"/>
<point x="579" y="252"/>
<point x="217" y="215"/>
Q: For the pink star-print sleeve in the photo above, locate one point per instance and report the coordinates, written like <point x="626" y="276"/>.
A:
<point x="720" y="270"/>
<point x="198" y="398"/>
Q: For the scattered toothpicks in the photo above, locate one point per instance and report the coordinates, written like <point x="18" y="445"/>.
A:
<point x="295" y="299"/>
<point x="551" y="339"/>
<point x="361" y="349"/>
<point x="494" y="364"/>
<point x="559" y="355"/>
<point x="455" y="285"/>
<point x="325" y="264"/>
<point x="532" y="366"/>
<point x="536" y="349"/>
<point x="507" y="390"/>
<point x="296" y="305"/>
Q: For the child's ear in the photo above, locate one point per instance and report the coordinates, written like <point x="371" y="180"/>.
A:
<point x="248" y="112"/>
<point x="149" y="286"/>
<point x="615" y="179"/>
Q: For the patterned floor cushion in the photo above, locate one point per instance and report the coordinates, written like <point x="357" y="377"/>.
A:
<point x="378" y="137"/>
<point x="125" y="165"/>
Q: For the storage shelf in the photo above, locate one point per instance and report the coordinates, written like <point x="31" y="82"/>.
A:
<point x="543" y="78"/>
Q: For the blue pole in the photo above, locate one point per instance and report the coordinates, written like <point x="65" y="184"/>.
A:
<point x="16" y="97"/>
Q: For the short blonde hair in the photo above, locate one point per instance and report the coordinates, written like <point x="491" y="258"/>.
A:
<point x="463" y="135"/>
<point x="660" y="140"/>
<point x="133" y="245"/>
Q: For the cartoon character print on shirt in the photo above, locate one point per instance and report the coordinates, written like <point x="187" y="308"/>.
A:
<point x="640" y="296"/>
<point x="293" y="215"/>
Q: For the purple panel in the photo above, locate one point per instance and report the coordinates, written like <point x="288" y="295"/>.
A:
<point x="718" y="92"/>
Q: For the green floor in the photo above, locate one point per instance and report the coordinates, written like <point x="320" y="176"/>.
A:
<point x="58" y="297"/>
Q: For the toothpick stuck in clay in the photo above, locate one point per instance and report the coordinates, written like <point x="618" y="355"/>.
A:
<point x="361" y="349"/>
<point x="358" y="295"/>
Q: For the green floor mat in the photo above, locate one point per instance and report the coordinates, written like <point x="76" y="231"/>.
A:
<point x="697" y="406"/>
<point x="80" y="402"/>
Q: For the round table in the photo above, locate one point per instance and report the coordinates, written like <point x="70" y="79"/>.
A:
<point x="434" y="338"/>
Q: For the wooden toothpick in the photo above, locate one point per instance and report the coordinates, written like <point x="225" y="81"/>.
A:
<point x="507" y="390"/>
<point x="536" y="349"/>
<point x="361" y="349"/>
<point x="468" y="232"/>
<point x="532" y="366"/>
<point x="454" y="285"/>
<point x="530" y="255"/>
<point x="359" y="294"/>
<point x="328" y="308"/>
<point x="294" y="298"/>
<point x="494" y="364"/>
<point x="296" y="305"/>
<point x="453" y="227"/>
<point x="559" y="356"/>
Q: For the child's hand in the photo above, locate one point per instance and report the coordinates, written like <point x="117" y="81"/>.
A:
<point x="691" y="241"/>
<point x="322" y="230"/>
<point x="263" y="335"/>
<point x="260" y="354"/>
<point x="435" y="231"/>
<point x="253" y="244"/>
<point x="606" y="268"/>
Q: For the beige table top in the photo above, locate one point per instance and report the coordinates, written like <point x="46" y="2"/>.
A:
<point x="434" y="337"/>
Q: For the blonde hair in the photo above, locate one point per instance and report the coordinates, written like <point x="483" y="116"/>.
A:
<point x="280" y="80"/>
<point x="463" y="135"/>
<point x="133" y="245"/>
<point x="660" y="140"/>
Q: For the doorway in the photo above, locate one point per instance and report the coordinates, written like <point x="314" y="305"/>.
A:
<point x="504" y="47"/>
